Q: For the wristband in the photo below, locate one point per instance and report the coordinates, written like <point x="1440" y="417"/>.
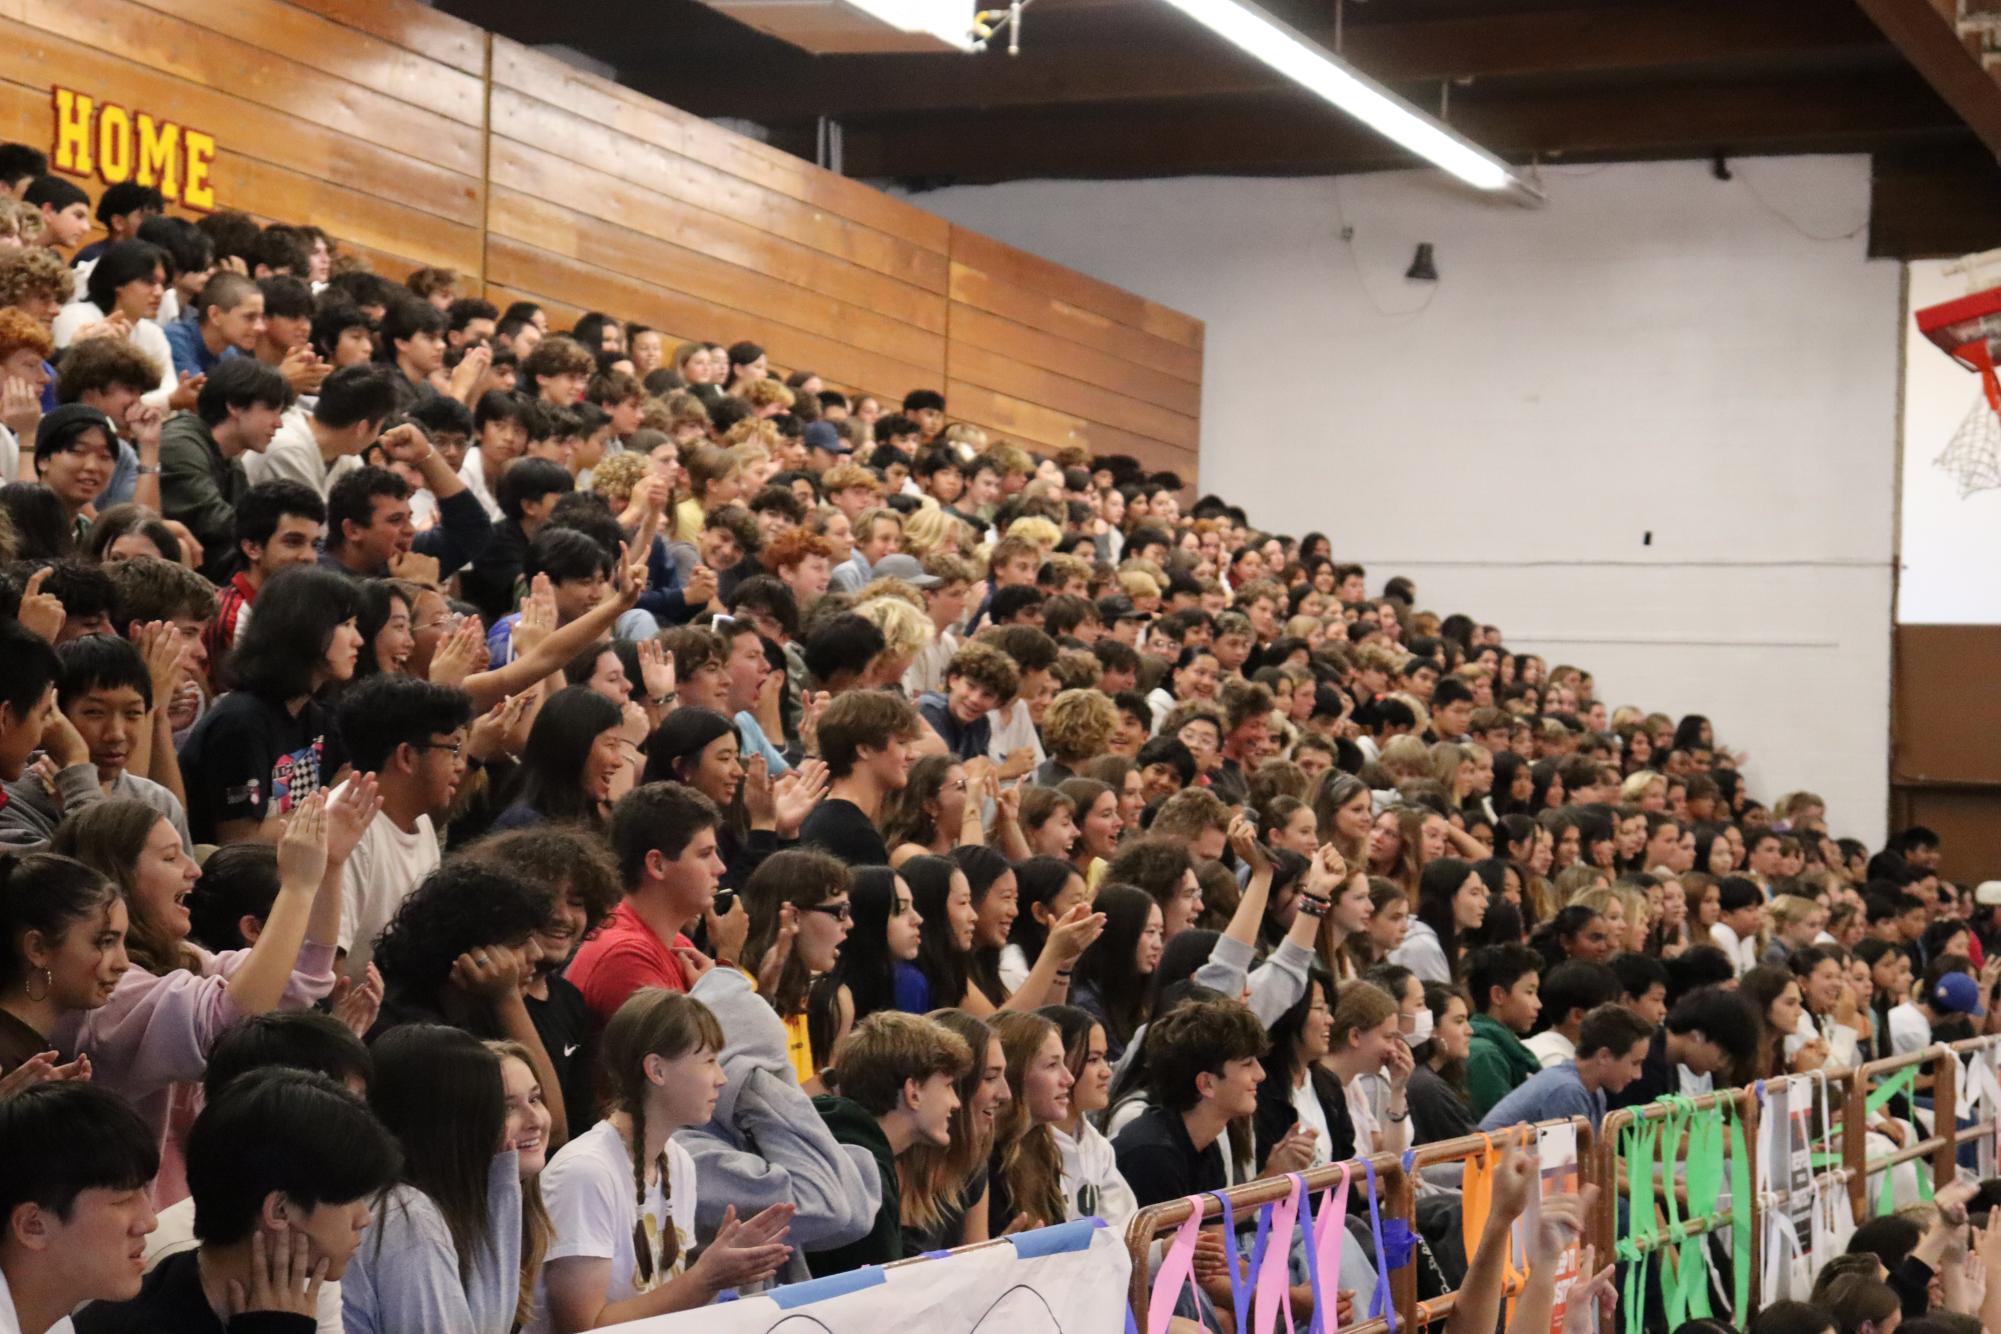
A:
<point x="1314" y="906"/>
<point x="1063" y="974"/>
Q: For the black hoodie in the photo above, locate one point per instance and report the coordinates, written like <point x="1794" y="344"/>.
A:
<point x="852" y="1124"/>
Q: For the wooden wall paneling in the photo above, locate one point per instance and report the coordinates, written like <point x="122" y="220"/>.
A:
<point x="770" y="301"/>
<point x="977" y="328"/>
<point x="411" y="74"/>
<point x="518" y="116"/>
<point x="550" y="80"/>
<point x="1946" y="715"/>
<point x="414" y="27"/>
<point x="1968" y="822"/>
<point x="549" y="177"/>
<point x="1037" y="427"/>
<point x="173" y="47"/>
<point x="975" y="365"/>
<point x="974" y="287"/>
<point x="1022" y="269"/>
<point x="517" y="264"/>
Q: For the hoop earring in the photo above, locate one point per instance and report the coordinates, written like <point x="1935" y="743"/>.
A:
<point x="48" y="985"/>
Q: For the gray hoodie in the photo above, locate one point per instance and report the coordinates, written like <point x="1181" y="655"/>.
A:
<point x="766" y="1145"/>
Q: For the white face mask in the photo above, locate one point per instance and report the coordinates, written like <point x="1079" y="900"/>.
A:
<point x="1421" y="1027"/>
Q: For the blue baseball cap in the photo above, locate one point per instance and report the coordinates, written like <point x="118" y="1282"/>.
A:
<point x="822" y="435"/>
<point x="1958" y="994"/>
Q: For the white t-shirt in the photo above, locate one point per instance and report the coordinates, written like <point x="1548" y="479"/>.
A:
<point x="381" y="872"/>
<point x="1014" y="728"/>
<point x="588" y="1190"/>
<point x="1743" y="953"/>
<point x="473" y="473"/>
<point x="1314" y="1117"/>
<point x="1909" y="1029"/>
<point x="1552" y="1048"/>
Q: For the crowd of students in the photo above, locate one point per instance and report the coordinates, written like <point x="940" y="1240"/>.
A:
<point x="509" y="828"/>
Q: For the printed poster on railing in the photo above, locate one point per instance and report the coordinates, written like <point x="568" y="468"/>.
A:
<point x="1556" y="1148"/>
<point x="1067" y="1279"/>
<point x="1785" y="1155"/>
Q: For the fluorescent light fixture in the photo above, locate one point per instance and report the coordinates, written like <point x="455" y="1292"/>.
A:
<point x="950" y="21"/>
<point x="1259" y="35"/>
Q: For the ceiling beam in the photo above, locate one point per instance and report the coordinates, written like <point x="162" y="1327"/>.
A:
<point x="1298" y="136"/>
<point x="1934" y="202"/>
<point x="1925" y="31"/>
<point x="1178" y="60"/>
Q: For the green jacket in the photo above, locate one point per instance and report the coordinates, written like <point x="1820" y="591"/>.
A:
<point x="851" y="1124"/>
<point x="201" y="488"/>
<point x="1496" y="1064"/>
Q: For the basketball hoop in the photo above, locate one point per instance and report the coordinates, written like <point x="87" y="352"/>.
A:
<point x="1968" y="330"/>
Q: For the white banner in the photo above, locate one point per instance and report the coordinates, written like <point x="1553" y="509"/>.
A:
<point x="1068" y="1279"/>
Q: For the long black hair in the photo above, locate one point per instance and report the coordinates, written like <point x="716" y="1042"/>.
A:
<point x="438" y="1090"/>
<point x="983" y="867"/>
<point x="864" y="965"/>
<point x="375" y="603"/>
<point x="286" y="642"/>
<point x="1041" y="880"/>
<point x="125" y="262"/>
<point x="550" y="779"/>
<point x="1436" y="888"/>
<point x="1109" y="968"/>
<point x="939" y="957"/>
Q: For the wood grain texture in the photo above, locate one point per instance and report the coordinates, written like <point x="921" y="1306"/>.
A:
<point x="416" y="139"/>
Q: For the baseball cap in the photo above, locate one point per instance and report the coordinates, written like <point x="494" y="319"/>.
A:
<point x="1119" y="607"/>
<point x="822" y="435"/>
<point x="896" y="565"/>
<point x="1987" y="893"/>
<point x="1957" y="993"/>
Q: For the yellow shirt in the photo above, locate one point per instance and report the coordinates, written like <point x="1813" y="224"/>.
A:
<point x="799" y="1048"/>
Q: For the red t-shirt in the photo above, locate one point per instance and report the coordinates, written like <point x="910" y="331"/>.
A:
<point x="621" y="958"/>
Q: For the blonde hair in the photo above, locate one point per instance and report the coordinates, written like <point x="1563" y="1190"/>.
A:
<point x="764" y="393"/>
<point x="906" y="630"/>
<point x="1036" y="529"/>
<point x="931" y="529"/>
<point x="753" y="430"/>
<point x="1636" y="784"/>
<point x="615" y="477"/>
<point x="1030" y="1162"/>
<point x="1137" y="584"/>
<point x="1791" y="909"/>
<point x="1079" y="724"/>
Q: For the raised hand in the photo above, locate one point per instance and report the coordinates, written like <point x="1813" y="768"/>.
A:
<point x="357" y="1004"/>
<point x="757" y="793"/>
<point x="1514" y="1182"/>
<point x="796" y="794"/>
<point x="1243" y="837"/>
<point x="773" y="965"/>
<point x="302" y="852"/>
<point x="405" y="443"/>
<point x="349" y="815"/>
<point x="459" y="654"/>
<point x="186" y="392"/>
<point x="1293" y="1152"/>
<point x="467" y="374"/>
<point x="283" y="1276"/>
<point x="142" y="423"/>
<point x="1327" y="872"/>
<point x="304" y="369"/>
<point x="538" y="616"/>
<point x="1592" y="1296"/>
<point x="1072" y="933"/>
<point x="656" y="669"/>
<point x="700" y="589"/>
<point x="41" y="1068"/>
<point x="417" y="568"/>
<point x="40" y="612"/>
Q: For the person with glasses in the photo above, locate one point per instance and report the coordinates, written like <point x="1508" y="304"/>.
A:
<point x="799" y="916"/>
<point x="411" y="735"/>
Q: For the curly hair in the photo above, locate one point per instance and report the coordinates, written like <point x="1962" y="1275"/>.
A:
<point x="19" y="329"/>
<point x="906" y="630"/>
<point x="1079" y="724"/>
<point x="37" y="271"/>
<point x="565" y="858"/>
<point x="463" y="905"/>
<point x="986" y="665"/>
<point x="792" y="546"/>
<point x="615" y="477"/>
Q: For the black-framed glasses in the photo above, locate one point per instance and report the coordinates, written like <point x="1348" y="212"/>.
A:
<point x="840" y="912"/>
<point x="451" y="748"/>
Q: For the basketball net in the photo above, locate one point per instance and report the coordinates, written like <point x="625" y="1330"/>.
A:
<point x="1972" y="458"/>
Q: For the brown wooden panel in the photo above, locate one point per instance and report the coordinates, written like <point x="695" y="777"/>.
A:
<point x="409" y="74"/>
<point x="550" y="80"/>
<point x="771" y="301"/>
<point x="173" y="47"/>
<point x="976" y="365"/>
<point x="1037" y="310"/>
<point x="1945" y="713"/>
<point x="692" y="229"/>
<point x="973" y="326"/>
<point x="517" y="116"/>
<point x="1968" y="823"/>
<point x="413" y="27"/>
<point x="513" y="263"/>
<point x="1041" y="275"/>
<point x="243" y="130"/>
<point x="1037" y="427"/>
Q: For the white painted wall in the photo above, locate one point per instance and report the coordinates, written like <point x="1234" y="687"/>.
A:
<point x="1951" y="544"/>
<point x="1655" y="350"/>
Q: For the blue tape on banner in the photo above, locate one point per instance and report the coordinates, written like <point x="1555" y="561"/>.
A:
<point x="819" y="1289"/>
<point x="1056" y="1240"/>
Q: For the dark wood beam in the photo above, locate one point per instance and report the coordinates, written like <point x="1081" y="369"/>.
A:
<point x="1935" y="201"/>
<point x="1924" y="31"/>
<point x="1296" y="135"/>
<point x="1177" y="60"/>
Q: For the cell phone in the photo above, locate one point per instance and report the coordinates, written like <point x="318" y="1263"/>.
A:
<point x="725" y="900"/>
